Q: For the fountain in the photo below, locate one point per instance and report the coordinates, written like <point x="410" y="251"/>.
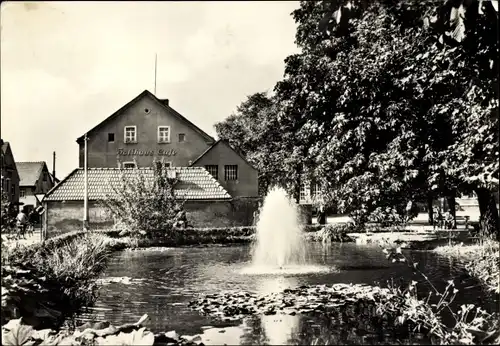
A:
<point x="280" y="246"/>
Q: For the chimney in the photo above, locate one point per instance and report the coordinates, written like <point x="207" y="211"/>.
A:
<point x="54" y="165"/>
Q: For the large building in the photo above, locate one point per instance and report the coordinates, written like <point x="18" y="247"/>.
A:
<point x="145" y="130"/>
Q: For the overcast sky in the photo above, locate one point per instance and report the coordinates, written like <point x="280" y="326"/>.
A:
<point x="66" y="66"/>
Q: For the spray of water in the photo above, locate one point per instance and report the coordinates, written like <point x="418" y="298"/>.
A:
<point x="279" y="241"/>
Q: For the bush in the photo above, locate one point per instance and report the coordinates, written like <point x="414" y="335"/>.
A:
<point x="472" y="325"/>
<point x="8" y="217"/>
<point x="47" y="283"/>
<point x="334" y="233"/>
<point x="486" y="266"/>
<point x="141" y="205"/>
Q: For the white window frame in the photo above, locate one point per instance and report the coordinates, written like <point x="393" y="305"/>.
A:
<point x="160" y="139"/>
<point x="168" y="164"/>
<point x="305" y="192"/>
<point x="227" y="175"/>
<point x="22" y="193"/>
<point x="128" y="163"/>
<point x="125" y="134"/>
<point x="216" y="170"/>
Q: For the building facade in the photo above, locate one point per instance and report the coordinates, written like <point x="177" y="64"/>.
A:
<point x="35" y="182"/>
<point x="9" y="175"/>
<point x="144" y="132"/>
<point x="148" y="129"/>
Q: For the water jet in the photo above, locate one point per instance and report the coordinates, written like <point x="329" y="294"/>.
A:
<point x="280" y="246"/>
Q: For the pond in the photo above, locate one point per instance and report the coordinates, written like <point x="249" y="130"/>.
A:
<point x="160" y="282"/>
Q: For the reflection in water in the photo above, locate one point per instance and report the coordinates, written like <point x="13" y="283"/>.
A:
<point x="278" y="328"/>
<point x="268" y="285"/>
<point x="170" y="279"/>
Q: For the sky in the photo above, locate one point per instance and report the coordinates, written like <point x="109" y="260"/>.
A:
<point x="66" y="66"/>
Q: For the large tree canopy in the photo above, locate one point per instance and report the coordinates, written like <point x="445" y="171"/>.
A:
<point x="387" y="101"/>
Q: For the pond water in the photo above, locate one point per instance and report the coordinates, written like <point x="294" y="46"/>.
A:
<point x="160" y="282"/>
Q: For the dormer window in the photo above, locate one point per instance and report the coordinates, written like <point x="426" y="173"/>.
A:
<point x="130" y="134"/>
<point x="163" y="134"/>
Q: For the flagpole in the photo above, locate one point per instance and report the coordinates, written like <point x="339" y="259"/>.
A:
<point x="86" y="186"/>
<point x="156" y="57"/>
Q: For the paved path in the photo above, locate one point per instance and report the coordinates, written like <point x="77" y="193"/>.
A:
<point x="420" y="222"/>
<point x="30" y="239"/>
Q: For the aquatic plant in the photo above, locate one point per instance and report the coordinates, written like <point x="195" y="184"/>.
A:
<point x="48" y="284"/>
<point x="486" y="266"/>
<point x="471" y="325"/>
<point x="18" y="332"/>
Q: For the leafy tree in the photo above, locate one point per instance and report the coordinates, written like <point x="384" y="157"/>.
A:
<point x="379" y="101"/>
<point x="255" y="131"/>
<point x="144" y="201"/>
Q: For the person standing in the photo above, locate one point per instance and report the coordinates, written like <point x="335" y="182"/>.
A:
<point x="22" y="222"/>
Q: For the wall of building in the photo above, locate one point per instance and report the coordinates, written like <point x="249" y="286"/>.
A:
<point x="147" y="114"/>
<point x="64" y="217"/>
<point x="67" y="216"/>
<point x="9" y="176"/>
<point x="246" y="185"/>
<point x="42" y="185"/>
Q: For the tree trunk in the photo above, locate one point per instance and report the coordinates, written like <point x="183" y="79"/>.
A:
<point x="429" y="210"/>
<point x="452" y="208"/>
<point x="488" y="219"/>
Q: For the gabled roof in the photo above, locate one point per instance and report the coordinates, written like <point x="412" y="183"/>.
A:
<point x="29" y="172"/>
<point x="229" y="146"/>
<point x="5" y="145"/>
<point x="7" y="150"/>
<point x="194" y="183"/>
<point x="162" y="102"/>
<point x="54" y="179"/>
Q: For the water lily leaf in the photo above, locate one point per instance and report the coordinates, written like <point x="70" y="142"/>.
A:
<point x="137" y="337"/>
<point x="19" y="335"/>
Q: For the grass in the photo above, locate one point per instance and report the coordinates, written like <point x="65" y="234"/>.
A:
<point x="50" y="282"/>
<point x="483" y="261"/>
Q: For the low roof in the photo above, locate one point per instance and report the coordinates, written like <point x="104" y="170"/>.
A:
<point x="229" y="146"/>
<point x="29" y="172"/>
<point x="194" y="183"/>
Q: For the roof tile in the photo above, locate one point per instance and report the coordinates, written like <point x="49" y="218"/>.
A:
<point x="194" y="183"/>
<point x="29" y="172"/>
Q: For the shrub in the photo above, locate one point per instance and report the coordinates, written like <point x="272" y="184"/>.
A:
<point x="472" y="325"/>
<point x="142" y="204"/>
<point x="486" y="266"/>
<point x="50" y="282"/>
<point x="335" y="233"/>
<point x="8" y="217"/>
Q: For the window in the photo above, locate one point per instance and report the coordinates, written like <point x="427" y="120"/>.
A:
<point x="182" y="137"/>
<point x="44" y="177"/>
<point x="129" y="165"/>
<point x="163" y="134"/>
<point x="316" y="191"/>
<point x="111" y="137"/>
<point x="304" y="192"/>
<point x="130" y="134"/>
<point x="231" y="172"/>
<point x="167" y="164"/>
<point x="22" y="193"/>
<point x="213" y="170"/>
